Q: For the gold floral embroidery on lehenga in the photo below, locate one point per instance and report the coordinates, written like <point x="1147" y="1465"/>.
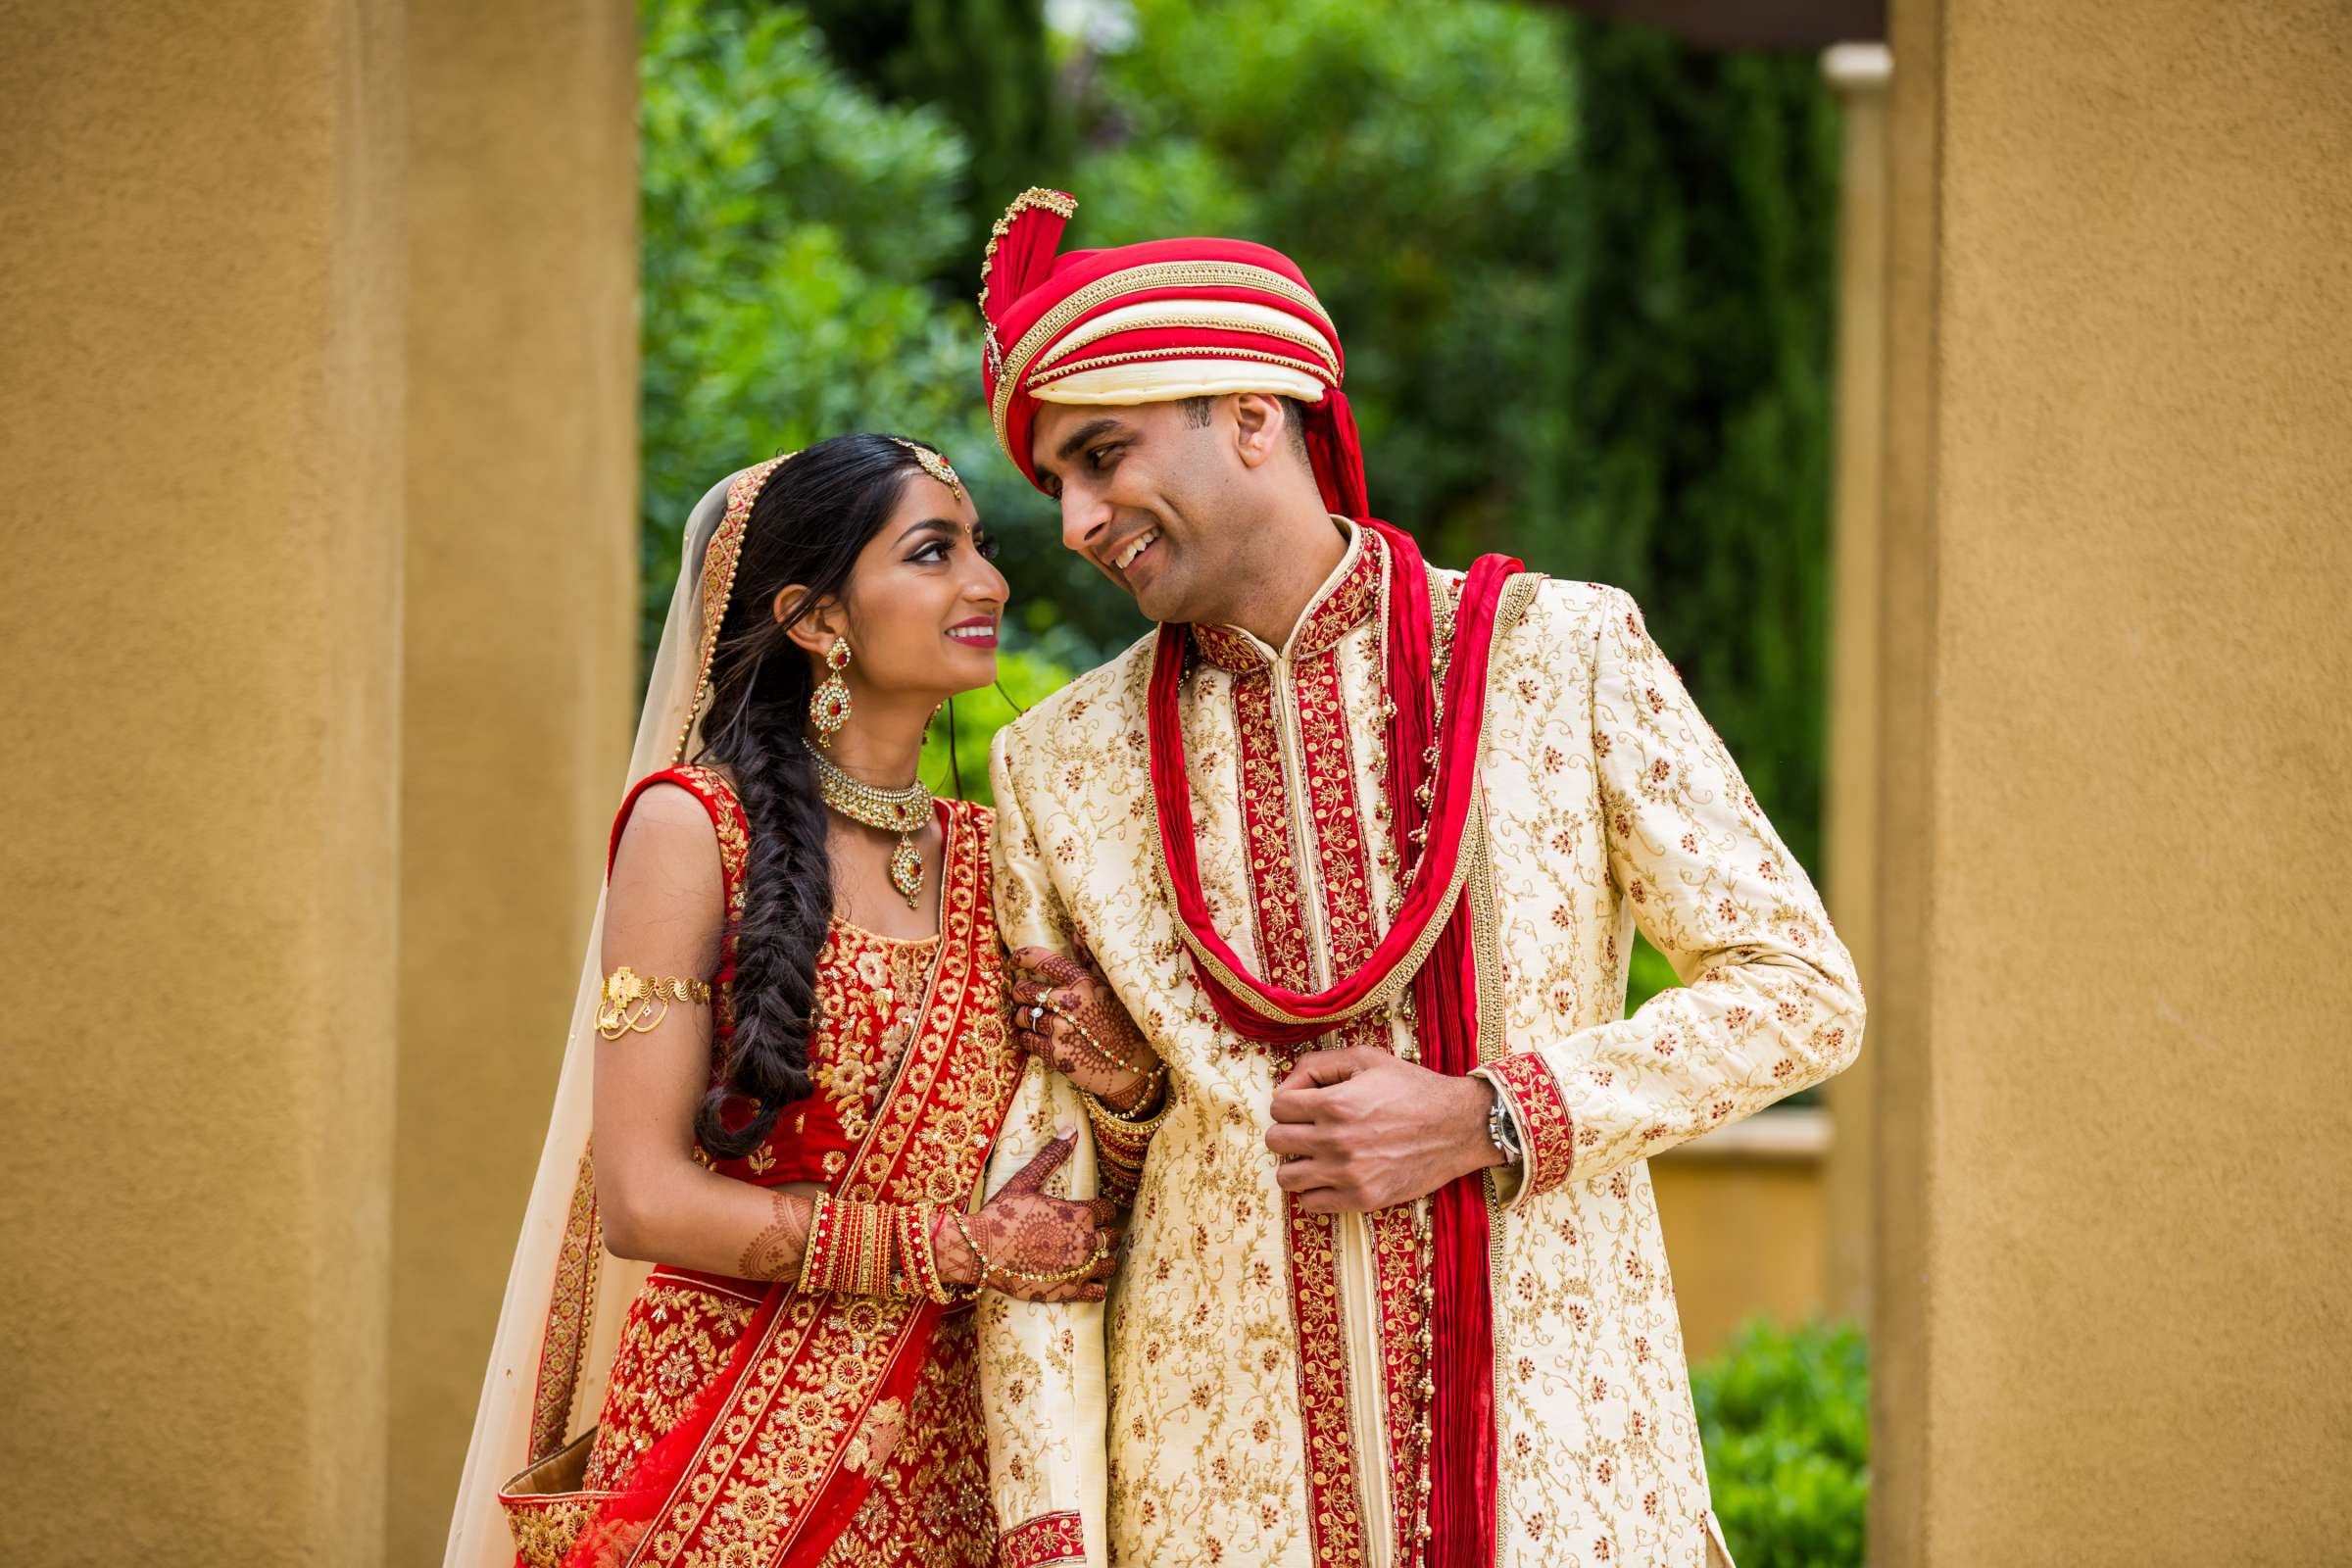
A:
<point x="870" y="988"/>
<point x="678" y="1333"/>
<point x="921" y="1120"/>
<point x="929" y="1505"/>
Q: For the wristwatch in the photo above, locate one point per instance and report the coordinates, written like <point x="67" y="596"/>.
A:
<point x="1504" y="1128"/>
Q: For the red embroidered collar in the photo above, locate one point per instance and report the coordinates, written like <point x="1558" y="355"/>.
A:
<point x="1345" y="601"/>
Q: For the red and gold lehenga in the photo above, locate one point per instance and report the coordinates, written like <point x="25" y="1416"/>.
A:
<point x="746" y="1424"/>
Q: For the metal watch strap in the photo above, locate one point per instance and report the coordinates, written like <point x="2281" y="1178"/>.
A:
<point x="1503" y="1128"/>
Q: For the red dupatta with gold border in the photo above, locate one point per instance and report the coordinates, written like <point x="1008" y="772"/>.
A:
<point x="762" y="1470"/>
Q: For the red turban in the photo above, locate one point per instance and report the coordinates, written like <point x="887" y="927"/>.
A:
<point x="1154" y="322"/>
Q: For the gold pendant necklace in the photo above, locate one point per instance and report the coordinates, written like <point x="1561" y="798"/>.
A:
<point x="902" y="812"/>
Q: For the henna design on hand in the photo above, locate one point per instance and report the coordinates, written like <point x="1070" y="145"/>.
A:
<point x="1123" y="1072"/>
<point x="776" y="1252"/>
<point x="1022" y="1229"/>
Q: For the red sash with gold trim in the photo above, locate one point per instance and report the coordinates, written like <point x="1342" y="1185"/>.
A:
<point x="1427" y="947"/>
<point x="762" y="1469"/>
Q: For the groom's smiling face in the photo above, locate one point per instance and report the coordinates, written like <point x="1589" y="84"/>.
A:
<point x="1159" y="498"/>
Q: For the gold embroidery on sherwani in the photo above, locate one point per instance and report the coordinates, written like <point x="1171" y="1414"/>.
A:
<point x="1050" y="1539"/>
<point x="1597" y="1450"/>
<point x="1356" y="1281"/>
<point x="1352" y="930"/>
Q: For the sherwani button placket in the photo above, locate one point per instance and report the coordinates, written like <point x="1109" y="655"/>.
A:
<point x="1358" y="1276"/>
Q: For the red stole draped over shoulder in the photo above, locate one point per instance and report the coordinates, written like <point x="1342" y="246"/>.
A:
<point x="1427" y="947"/>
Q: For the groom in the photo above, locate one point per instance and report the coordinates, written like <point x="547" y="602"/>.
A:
<point x="1361" y="844"/>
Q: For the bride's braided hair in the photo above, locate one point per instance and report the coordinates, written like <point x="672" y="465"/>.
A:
<point x="811" y="519"/>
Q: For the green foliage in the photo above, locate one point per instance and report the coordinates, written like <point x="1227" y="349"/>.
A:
<point x="1705" y="206"/>
<point x="1785" y="1418"/>
<point x="988" y="64"/>
<point x="791" y="226"/>
<point x="1647" y="974"/>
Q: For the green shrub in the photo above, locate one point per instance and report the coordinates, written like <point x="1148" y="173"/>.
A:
<point x="1785" y="1416"/>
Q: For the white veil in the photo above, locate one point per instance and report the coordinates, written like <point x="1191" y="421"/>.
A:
<point x="559" y="1261"/>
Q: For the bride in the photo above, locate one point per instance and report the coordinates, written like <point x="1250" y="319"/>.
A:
<point x="797" y="1009"/>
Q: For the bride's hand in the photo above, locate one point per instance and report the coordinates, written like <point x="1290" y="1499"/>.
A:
<point x="1030" y="1239"/>
<point x="1091" y="1041"/>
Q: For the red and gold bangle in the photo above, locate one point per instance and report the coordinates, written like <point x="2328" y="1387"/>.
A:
<point x="1113" y="1157"/>
<point x="839" y="1267"/>
<point x="873" y="1252"/>
<point x="849" y="1249"/>
<point x="917" y="1256"/>
<point x="899" y="1279"/>
<point x="885" y="1248"/>
<point x="905" y="1218"/>
<point x="817" y="1259"/>
<point x="1122" y="1135"/>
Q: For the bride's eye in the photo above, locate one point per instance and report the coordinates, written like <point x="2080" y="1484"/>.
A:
<point x="936" y="549"/>
<point x="989" y="546"/>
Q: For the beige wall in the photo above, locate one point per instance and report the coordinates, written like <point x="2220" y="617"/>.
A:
<point x="318" y="449"/>
<point x="519" y="647"/>
<point x="2110" y="1007"/>
<point x="200" y="320"/>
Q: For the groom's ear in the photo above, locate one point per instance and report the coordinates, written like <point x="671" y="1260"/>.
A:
<point x="1260" y="427"/>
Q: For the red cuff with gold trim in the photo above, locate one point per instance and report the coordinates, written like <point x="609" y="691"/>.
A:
<point x="1535" y="1098"/>
<point x="1048" y="1539"/>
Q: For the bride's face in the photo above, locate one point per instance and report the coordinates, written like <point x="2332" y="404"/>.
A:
<point x="925" y="600"/>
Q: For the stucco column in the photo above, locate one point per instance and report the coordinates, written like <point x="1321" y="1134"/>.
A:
<point x="2109" y="1011"/>
<point x="1858" y="73"/>
<point x="521" y="651"/>
<point x="201" y="304"/>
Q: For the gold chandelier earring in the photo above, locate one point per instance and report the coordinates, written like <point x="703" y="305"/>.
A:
<point x="829" y="704"/>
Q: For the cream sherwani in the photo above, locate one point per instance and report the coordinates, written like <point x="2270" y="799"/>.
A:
<point x="1252" y="1397"/>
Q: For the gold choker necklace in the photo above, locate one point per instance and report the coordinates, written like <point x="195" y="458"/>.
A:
<point x="901" y="811"/>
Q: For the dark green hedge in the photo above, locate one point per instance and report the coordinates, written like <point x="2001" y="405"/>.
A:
<point x="1785" y="1418"/>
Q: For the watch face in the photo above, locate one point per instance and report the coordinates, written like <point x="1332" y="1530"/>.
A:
<point x="1503" y="1134"/>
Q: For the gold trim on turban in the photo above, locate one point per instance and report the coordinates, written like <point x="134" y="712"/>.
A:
<point x="1166" y="380"/>
<point x="1210" y="315"/>
<point x="1133" y="281"/>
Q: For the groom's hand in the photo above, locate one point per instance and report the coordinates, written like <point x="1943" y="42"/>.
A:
<point x="1358" y="1130"/>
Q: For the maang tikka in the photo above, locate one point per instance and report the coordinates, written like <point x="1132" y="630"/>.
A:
<point x="829" y="704"/>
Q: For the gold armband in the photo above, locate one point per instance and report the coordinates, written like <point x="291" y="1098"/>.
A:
<point x="634" y="1003"/>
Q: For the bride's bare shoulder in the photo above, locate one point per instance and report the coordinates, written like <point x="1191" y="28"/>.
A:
<point x="666" y="859"/>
